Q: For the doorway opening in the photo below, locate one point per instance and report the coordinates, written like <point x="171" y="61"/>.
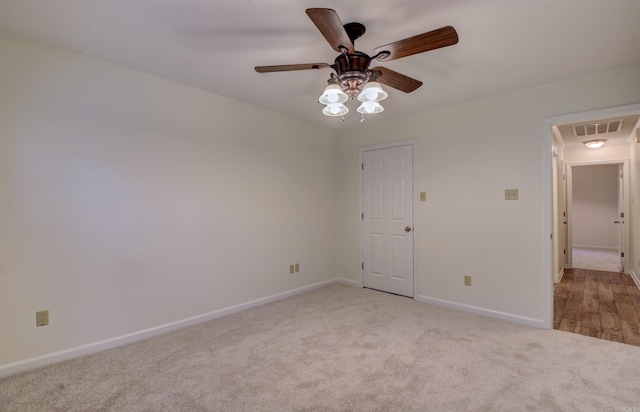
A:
<point x="597" y="205"/>
<point x="569" y="217"/>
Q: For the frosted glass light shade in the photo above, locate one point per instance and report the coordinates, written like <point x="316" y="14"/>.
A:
<point x="594" y="144"/>
<point x="333" y="94"/>
<point x="335" y="109"/>
<point x="370" y="108"/>
<point x="372" y="92"/>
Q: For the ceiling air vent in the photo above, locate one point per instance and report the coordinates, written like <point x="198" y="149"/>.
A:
<point x="591" y="129"/>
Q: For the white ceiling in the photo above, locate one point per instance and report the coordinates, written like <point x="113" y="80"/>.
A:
<point x="505" y="45"/>
<point x="625" y="135"/>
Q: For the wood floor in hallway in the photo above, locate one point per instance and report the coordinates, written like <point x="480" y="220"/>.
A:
<point x="603" y="305"/>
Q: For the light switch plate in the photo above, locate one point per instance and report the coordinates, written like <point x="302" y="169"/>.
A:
<point x="423" y="196"/>
<point x="511" y="194"/>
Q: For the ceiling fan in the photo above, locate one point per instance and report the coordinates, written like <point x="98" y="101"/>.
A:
<point x="351" y="67"/>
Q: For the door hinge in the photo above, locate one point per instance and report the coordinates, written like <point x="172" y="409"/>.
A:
<point x="621" y="254"/>
<point x="362" y="166"/>
<point x="362" y="265"/>
<point x="551" y="236"/>
<point x="622" y="214"/>
<point x="362" y="215"/>
<point x="564" y="251"/>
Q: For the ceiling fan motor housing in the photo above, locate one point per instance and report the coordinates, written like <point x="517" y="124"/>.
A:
<point x="352" y="71"/>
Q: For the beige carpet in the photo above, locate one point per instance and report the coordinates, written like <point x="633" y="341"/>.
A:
<point x="341" y="348"/>
<point x="596" y="259"/>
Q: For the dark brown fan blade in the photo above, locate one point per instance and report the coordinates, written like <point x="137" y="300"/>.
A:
<point x="329" y="24"/>
<point x="290" y="67"/>
<point x="396" y="80"/>
<point x="442" y="37"/>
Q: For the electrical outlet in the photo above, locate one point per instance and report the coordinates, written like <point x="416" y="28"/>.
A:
<point x="511" y="194"/>
<point x="297" y="267"/>
<point x="292" y="268"/>
<point x="467" y="280"/>
<point x="42" y="318"/>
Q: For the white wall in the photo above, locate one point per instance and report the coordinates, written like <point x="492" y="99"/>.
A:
<point x="128" y="201"/>
<point x="604" y="154"/>
<point x="468" y="155"/>
<point x="594" y="206"/>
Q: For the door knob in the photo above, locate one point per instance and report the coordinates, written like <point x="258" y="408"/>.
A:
<point x="407" y="229"/>
<point x="616" y="221"/>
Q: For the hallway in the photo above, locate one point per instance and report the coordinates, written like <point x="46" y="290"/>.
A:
<point x="604" y="305"/>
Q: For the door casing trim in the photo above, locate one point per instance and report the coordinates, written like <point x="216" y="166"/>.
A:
<point x="547" y="193"/>
<point x="625" y="203"/>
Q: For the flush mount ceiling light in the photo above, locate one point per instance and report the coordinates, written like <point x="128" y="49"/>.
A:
<point x="352" y="76"/>
<point x="594" y="144"/>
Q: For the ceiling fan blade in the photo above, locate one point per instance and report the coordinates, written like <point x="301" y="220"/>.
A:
<point x="396" y="80"/>
<point x="329" y="24"/>
<point x="290" y="67"/>
<point x="435" y="39"/>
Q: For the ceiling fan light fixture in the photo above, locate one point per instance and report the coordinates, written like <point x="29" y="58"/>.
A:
<point x="368" y="107"/>
<point x="594" y="144"/>
<point x="372" y="92"/>
<point x="333" y="94"/>
<point x="352" y="74"/>
<point x="335" y="109"/>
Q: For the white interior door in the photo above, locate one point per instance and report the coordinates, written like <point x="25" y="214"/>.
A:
<point x="620" y="220"/>
<point x="387" y="219"/>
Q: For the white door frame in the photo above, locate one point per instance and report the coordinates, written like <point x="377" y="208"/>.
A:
<point x="559" y="221"/>
<point x="547" y="192"/>
<point x="625" y="204"/>
<point x="414" y="144"/>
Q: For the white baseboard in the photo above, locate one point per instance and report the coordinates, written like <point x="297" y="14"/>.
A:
<point x="51" y="358"/>
<point x="635" y="277"/>
<point x="348" y="282"/>
<point x="536" y="323"/>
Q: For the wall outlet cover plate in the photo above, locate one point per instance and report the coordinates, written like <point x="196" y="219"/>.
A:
<point x="511" y="194"/>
